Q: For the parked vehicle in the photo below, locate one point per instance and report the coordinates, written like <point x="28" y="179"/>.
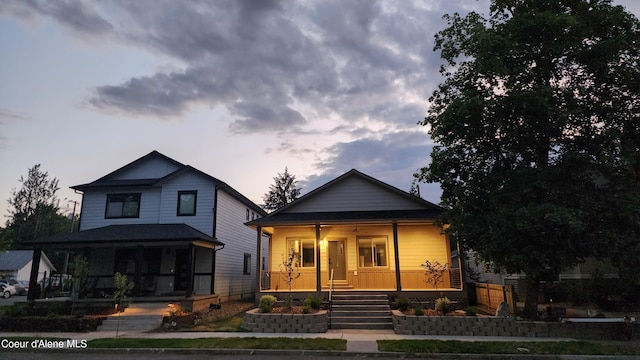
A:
<point x="7" y="290"/>
<point x="22" y="286"/>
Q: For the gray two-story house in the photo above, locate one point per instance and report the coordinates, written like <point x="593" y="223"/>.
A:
<point x="172" y="229"/>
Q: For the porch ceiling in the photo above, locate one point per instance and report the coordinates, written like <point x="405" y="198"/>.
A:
<point x="126" y="234"/>
<point x="341" y="217"/>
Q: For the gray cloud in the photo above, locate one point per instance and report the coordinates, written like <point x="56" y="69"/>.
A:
<point x="80" y="16"/>
<point x="392" y="158"/>
<point x="261" y="59"/>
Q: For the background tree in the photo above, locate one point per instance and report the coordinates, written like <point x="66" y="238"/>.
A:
<point x="33" y="209"/>
<point x="282" y="192"/>
<point x="538" y="135"/>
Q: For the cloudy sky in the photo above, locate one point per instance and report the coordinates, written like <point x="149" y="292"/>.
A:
<point x="237" y="89"/>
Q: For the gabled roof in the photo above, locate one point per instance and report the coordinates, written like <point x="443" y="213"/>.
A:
<point x="317" y="205"/>
<point x="111" y="180"/>
<point x="108" y="180"/>
<point x="15" y="260"/>
<point x="128" y="233"/>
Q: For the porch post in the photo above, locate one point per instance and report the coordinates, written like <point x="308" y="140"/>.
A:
<point x="397" y="256"/>
<point x="213" y="270"/>
<point x="318" y="281"/>
<point x="191" y="260"/>
<point x="33" y="279"/>
<point x="138" y="271"/>
<point x="258" y="262"/>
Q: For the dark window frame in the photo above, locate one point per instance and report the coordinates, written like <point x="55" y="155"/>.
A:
<point x="195" y="202"/>
<point x="247" y="264"/>
<point x="111" y="199"/>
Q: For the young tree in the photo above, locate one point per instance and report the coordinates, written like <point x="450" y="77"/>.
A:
<point x="536" y="119"/>
<point x="33" y="209"/>
<point x="282" y="192"/>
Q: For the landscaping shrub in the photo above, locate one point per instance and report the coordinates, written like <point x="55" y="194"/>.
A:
<point x="266" y="303"/>
<point x="314" y="302"/>
<point x="443" y="305"/>
<point x="402" y="304"/>
<point x="418" y="311"/>
<point x="468" y="311"/>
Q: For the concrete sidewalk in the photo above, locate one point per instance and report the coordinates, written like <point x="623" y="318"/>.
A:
<point x="358" y="341"/>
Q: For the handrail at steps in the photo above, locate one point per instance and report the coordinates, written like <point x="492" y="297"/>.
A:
<point x="330" y="290"/>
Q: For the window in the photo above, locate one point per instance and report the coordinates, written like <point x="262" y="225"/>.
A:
<point x="247" y="264"/>
<point x="187" y="203"/>
<point x="122" y="206"/>
<point x="305" y="250"/>
<point x="372" y="251"/>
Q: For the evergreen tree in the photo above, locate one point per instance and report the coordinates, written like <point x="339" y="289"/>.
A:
<point x="282" y="192"/>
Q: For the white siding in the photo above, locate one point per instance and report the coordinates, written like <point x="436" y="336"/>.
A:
<point x="355" y="194"/>
<point x="203" y="220"/>
<point x="239" y="239"/>
<point x="95" y="202"/>
<point x="154" y="168"/>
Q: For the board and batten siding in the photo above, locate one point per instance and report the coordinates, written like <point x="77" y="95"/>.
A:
<point x="205" y="201"/>
<point x="230" y="281"/>
<point x="355" y="194"/>
<point x="94" y="205"/>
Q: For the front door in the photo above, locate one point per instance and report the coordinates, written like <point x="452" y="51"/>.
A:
<point x="337" y="261"/>
<point x="181" y="270"/>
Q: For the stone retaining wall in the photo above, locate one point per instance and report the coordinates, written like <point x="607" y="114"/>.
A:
<point x="255" y="321"/>
<point x="494" y="326"/>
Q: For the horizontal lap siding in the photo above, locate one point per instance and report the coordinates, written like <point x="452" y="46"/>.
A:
<point x="355" y="194"/>
<point x="95" y="202"/>
<point x="154" y="168"/>
<point x="203" y="220"/>
<point x="420" y="243"/>
<point x="230" y="282"/>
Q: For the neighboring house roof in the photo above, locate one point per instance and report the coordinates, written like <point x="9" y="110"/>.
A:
<point x="15" y="260"/>
<point x="316" y="205"/>
<point x="129" y="233"/>
<point x="111" y="180"/>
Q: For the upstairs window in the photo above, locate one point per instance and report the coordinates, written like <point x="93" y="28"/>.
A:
<point x="187" y="203"/>
<point x="123" y="206"/>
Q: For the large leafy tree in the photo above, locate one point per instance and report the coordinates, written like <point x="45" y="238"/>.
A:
<point x="33" y="209"/>
<point x="537" y="130"/>
<point x="281" y="192"/>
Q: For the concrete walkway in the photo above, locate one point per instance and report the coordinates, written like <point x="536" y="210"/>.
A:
<point x="358" y="341"/>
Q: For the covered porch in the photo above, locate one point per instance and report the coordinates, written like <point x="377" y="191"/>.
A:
<point x="163" y="260"/>
<point x="376" y="256"/>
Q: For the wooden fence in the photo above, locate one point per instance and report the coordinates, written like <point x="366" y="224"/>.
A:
<point x="491" y="295"/>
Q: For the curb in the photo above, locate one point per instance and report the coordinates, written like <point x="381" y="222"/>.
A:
<point x="299" y="353"/>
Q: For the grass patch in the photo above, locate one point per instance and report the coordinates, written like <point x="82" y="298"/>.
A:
<point x="227" y="324"/>
<point x="223" y="343"/>
<point x="509" y="347"/>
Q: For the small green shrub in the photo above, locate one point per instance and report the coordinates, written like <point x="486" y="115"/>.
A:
<point x="306" y="308"/>
<point x="314" y="302"/>
<point x="443" y="305"/>
<point x="418" y="311"/>
<point x="266" y="303"/>
<point x="402" y="304"/>
<point x="468" y="311"/>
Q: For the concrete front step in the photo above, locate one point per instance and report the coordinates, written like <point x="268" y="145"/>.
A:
<point x="359" y="326"/>
<point x="360" y="319"/>
<point x="131" y="323"/>
<point x="360" y="311"/>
